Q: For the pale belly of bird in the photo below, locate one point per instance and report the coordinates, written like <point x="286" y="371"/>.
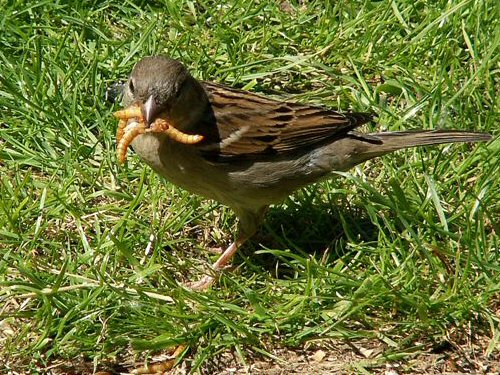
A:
<point x="245" y="183"/>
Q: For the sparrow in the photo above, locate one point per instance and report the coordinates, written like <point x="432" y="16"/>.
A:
<point x="254" y="150"/>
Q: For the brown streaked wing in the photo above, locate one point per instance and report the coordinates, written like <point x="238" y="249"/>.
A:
<point x="251" y="125"/>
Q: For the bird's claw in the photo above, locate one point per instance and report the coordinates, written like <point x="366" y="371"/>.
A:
<point x="201" y="285"/>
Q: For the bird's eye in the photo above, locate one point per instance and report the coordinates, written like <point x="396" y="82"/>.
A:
<point x="131" y="86"/>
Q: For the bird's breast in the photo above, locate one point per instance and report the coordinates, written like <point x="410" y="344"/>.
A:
<point x="236" y="184"/>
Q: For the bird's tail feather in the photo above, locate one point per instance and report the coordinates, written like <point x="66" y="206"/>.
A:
<point x="396" y="140"/>
<point x="378" y="144"/>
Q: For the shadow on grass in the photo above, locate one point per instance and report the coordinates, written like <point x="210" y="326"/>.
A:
<point x="309" y="227"/>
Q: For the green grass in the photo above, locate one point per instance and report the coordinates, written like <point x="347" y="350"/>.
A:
<point x="401" y="254"/>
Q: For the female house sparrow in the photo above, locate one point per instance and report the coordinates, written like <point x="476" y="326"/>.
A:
<point x="255" y="150"/>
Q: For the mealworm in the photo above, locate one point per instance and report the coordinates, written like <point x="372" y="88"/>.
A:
<point x="120" y="130"/>
<point x="181" y="137"/>
<point x="130" y="132"/>
<point x="129" y="112"/>
<point x="134" y="111"/>
<point x="162" y="126"/>
<point x="127" y="130"/>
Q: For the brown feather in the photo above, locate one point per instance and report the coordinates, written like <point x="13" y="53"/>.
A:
<point x="243" y="124"/>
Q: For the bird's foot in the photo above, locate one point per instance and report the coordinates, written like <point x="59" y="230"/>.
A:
<point x="201" y="285"/>
<point x="219" y="265"/>
<point x="215" y="250"/>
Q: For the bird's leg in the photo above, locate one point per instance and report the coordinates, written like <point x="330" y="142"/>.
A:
<point x="206" y="281"/>
<point x="248" y="223"/>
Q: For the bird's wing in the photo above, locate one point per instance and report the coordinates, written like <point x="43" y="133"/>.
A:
<point x="243" y="124"/>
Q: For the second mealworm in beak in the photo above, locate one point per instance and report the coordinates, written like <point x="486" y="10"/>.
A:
<point x="128" y="135"/>
<point x="162" y="126"/>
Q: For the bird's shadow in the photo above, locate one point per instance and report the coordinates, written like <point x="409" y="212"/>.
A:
<point x="308" y="225"/>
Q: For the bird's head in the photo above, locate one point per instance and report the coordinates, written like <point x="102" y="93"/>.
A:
<point x="162" y="86"/>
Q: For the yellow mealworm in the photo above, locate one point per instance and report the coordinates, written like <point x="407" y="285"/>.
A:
<point x="120" y="130"/>
<point x="130" y="132"/>
<point x="132" y="124"/>
<point x="162" y="126"/>
<point x="129" y="112"/>
<point x="181" y="137"/>
<point x="134" y="111"/>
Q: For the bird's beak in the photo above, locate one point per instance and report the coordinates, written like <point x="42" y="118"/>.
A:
<point x="150" y="110"/>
